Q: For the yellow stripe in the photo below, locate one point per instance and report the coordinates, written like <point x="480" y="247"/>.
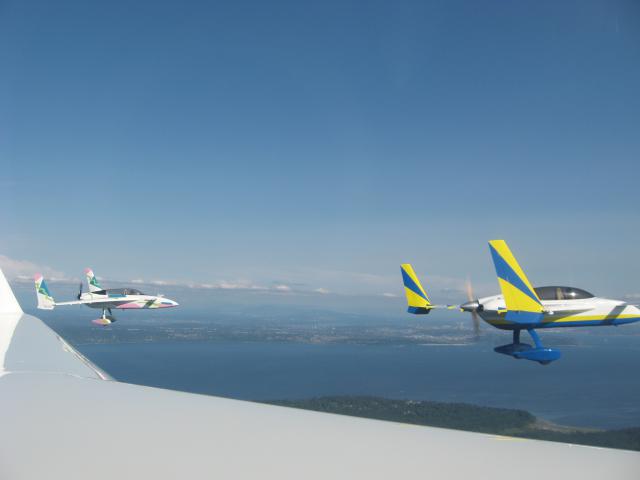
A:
<point x="409" y="271"/>
<point x="415" y="300"/>
<point x="579" y="318"/>
<point x="504" y="251"/>
<point x="586" y="318"/>
<point x="518" y="300"/>
<point x="499" y="322"/>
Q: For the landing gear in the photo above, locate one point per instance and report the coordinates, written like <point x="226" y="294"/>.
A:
<point x="539" y="353"/>
<point x="105" y="319"/>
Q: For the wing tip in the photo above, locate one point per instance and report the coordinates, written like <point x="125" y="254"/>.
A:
<point x="8" y="301"/>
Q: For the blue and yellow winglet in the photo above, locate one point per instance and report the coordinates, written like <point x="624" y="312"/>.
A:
<point x="522" y="302"/>
<point x="417" y="298"/>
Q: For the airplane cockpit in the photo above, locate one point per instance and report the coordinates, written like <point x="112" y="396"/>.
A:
<point x="119" y="291"/>
<point x="562" y="293"/>
<point x="125" y="291"/>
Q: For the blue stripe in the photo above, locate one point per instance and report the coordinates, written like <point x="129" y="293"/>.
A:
<point x="418" y="310"/>
<point x="410" y="284"/>
<point x="519" y="316"/>
<point x="505" y="272"/>
<point x="44" y="287"/>
<point x="583" y="323"/>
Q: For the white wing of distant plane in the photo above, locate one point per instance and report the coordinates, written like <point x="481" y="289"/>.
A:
<point x="106" y="301"/>
<point x="80" y="302"/>
<point x="61" y="417"/>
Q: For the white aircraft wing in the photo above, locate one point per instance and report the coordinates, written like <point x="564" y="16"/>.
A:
<point x="100" y="301"/>
<point x="61" y="417"/>
<point x="76" y="302"/>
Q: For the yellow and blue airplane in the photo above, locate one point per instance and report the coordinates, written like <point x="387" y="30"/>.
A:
<point x="523" y="307"/>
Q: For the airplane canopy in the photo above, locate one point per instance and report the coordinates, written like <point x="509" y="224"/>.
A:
<point x="122" y="291"/>
<point x="562" y="293"/>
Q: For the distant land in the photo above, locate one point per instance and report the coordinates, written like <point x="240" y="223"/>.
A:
<point x="473" y="418"/>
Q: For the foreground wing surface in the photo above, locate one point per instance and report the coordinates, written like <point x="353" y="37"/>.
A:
<point x="62" y="417"/>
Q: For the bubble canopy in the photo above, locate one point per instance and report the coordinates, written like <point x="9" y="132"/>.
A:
<point x="119" y="291"/>
<point x="562" y="293"/>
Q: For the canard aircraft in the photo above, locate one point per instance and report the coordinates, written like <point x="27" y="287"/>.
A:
<point x="523" y="307"/>
<point x="102" y="298"/>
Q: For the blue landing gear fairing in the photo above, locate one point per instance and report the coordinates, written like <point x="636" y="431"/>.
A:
<point x="537" y="353"/>
<point x="522" y="307"/>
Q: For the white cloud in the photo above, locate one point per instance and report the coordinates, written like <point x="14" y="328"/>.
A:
<point x="238" y="285"/>
<point x="219" y="285"/>
<point x="365" y="283"/>
<point x="444" y="289"/>
<point x="24" y="270"/>
<point x="296" y="282"/>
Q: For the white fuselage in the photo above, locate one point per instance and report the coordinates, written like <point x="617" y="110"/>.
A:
<point x="125" y="301"/>
<point x="564" y="313"/>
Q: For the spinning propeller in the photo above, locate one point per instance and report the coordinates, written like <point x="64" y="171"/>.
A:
<point x="79" y="291"/>
<point x="473" y="306"/>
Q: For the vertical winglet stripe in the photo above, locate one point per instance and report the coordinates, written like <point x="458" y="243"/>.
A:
<point x="504" y="251"/>
<point x="411" y="281"/>
<point x="523" y="305"/>
<point x="508" y="270"/>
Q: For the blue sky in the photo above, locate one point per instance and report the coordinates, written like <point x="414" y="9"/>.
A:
<point x="317" y="145"/>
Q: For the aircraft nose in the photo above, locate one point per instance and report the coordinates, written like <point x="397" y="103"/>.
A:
<point x="167" y="303"/>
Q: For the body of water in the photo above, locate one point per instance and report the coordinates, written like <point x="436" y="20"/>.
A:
<point x="592" y="386"/>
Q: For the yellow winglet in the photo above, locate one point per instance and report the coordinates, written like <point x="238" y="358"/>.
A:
<point x="522" y="302"/>
<point x="417" y="298"/>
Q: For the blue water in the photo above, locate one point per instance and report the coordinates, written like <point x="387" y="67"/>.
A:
<point x="590" y="386"/>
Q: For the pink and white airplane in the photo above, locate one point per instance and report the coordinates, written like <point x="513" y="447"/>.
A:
<point x="105" y="299"/>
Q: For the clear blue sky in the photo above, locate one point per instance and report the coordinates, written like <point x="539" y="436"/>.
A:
<point x="320" y="144"/>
